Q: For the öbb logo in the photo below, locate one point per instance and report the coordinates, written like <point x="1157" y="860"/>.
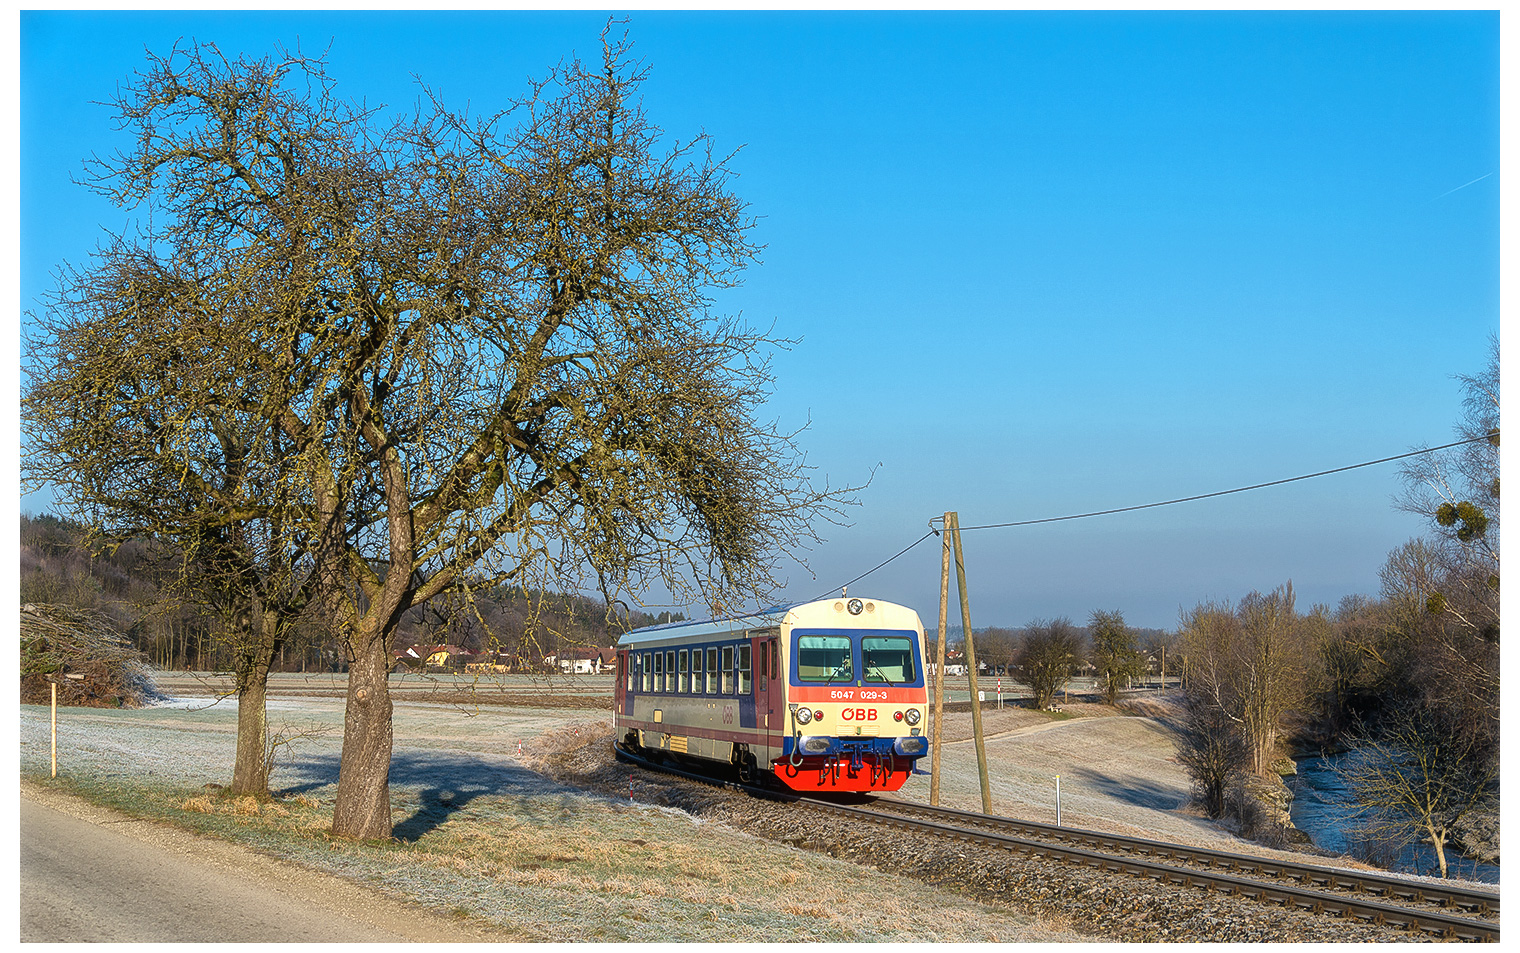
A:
<point x="858" y="714"/>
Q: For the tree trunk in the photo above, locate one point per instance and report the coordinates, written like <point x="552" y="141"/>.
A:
<point x="250" y="772"/>
<point x="363" y="808"/>
<point x="1438" y="841"/>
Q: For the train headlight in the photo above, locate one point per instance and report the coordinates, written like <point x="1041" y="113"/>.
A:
<point x="803" y="716"/>
<point x="912" y="716"/>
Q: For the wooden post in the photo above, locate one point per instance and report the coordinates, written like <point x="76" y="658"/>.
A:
<point x="939" y="667"/>
<point x="976" y="705"/>
<point x="54" y="686"/>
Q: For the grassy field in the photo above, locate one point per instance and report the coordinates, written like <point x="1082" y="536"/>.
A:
<point x="481" y="836"/>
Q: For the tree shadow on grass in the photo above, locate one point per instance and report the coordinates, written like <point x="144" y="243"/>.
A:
<point x="1136" y="791"/>
<point x="444" y="782"/>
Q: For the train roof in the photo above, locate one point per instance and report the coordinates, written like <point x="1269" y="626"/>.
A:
<point x="763" y="619"/>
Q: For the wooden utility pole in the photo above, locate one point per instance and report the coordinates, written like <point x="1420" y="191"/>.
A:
<point x="939" y="667"/>
<point x="953" y="525"/>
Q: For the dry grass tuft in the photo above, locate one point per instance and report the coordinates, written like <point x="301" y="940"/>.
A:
<point x="199" y="805"/>
<point x="245" y="805"/>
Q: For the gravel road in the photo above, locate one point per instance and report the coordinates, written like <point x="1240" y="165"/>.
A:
<point x="89" y="874"/>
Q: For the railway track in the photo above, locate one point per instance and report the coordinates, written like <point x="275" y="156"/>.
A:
<point x="1347" y="894"/>
<point x="1464" y="914"/>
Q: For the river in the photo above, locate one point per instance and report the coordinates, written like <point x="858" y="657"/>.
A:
<point x="1322" y="809"/>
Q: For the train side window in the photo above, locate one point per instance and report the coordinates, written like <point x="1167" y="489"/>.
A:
<point x="646" y="672"/>
<point x="763" y="668"/>
<point x="712" y="670"/>
<point x="659" y="671"/>
<point x="776" y="658"/>
<point x="670" y="670"/>
<point x="625" y="674"/>
<point x="744" y="682"/>
<point x="728" y="669"/>
<point x="696" y="671"/>
<point x="685" y="685"/>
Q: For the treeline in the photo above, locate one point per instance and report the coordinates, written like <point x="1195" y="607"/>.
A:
<point x="1409" y="679"/>
<point x="132" y="585"/>
<point x="1046" y="653"/>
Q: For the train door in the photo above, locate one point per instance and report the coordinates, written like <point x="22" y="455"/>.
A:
<point x="770" y="691"/>
<point x="620" y="687"/>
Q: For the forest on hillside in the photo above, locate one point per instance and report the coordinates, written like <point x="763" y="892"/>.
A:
<point x="130" y="585"/>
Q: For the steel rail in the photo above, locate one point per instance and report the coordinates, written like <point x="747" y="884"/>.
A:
<point x="1474" y="901"/>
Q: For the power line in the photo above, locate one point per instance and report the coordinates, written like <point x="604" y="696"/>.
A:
<point x="1491" y="435"/>
<point x="1239" y="489"/>
<point x="824" y="595"/>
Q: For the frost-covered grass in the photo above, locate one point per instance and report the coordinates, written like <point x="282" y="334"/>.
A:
<point x="478" y="834"/>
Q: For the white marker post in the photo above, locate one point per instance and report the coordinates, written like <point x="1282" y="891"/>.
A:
<point x="54" y="687"/>
<point x="1058" y="800"/>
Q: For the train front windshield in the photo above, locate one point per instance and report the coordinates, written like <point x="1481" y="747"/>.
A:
<point x="865" y="658"/>
<point x="824" y="658"/>
<point x="887" y="658"/>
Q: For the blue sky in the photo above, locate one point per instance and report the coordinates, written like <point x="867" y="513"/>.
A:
<point x="1038" y="264"/>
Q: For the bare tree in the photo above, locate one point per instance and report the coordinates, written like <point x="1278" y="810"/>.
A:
<point x="997" y="647"/>
<point x="1113" y="651"/>
<point x="1445" y="665"/>
<point x="127" y="418"/>
<point x="486" y="346"/>
<point x="1210" y="747"/>
<point x="1458" y="491"/>
<point x="1413" y="777"/>
<point x="1049" y="652"/>
<point x="1249" y="664"/>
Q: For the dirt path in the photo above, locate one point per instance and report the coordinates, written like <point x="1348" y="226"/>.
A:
<point x="92" y="874"/>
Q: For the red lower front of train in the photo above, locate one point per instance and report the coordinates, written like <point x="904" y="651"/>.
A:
<point x="875" y="764"/>
<point x="813" y="776"/>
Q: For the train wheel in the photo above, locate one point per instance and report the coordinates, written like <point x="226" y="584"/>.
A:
<point x="744" y="762"/>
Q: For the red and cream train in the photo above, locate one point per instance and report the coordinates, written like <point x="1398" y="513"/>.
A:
<point x="825" y="696"/>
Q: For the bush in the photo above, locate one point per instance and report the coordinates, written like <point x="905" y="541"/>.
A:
<point x="92" y="662"/>
<point x="1211" y="748"/>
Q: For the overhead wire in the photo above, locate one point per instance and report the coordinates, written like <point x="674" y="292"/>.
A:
<point x="1490" y="436"/>
<point x="852" y="582"/>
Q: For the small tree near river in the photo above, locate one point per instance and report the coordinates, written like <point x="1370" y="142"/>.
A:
<point x="1413" y="778"/>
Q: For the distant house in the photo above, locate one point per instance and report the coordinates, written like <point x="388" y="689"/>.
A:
<point x="434" y="656"/>
<point x="487" y="662"/>
<point x="583" y="661"/>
